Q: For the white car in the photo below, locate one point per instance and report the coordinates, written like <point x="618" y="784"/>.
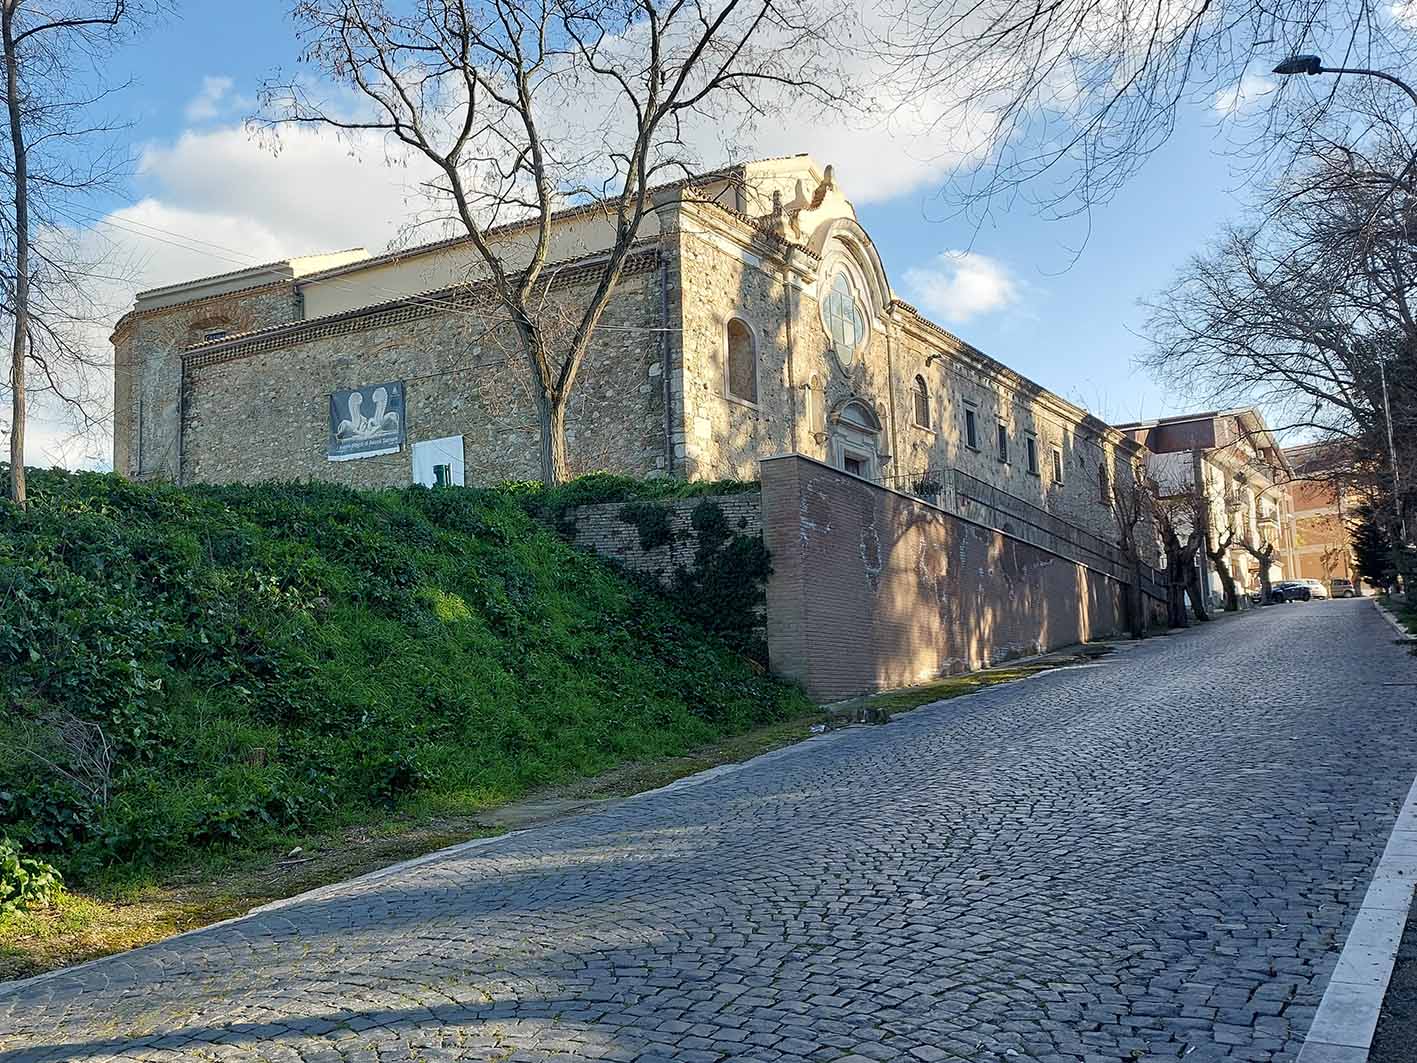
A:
<point x="1316" y="588"/>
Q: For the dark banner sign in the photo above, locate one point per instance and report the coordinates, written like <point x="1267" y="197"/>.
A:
<point x="366" y="421"/>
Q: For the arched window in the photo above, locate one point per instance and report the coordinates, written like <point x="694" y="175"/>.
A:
<point x="842" y="317"/>
<point x="921" y="396"/>
<point x="742" y="362"/>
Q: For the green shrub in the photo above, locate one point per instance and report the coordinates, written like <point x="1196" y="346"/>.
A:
<point x="25" y="882"/>
<point x="726" y="589"/>
<point x="551" y="505"/>
<point x="281" y="656"/>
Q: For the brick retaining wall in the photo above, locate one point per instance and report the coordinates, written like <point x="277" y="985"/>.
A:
<point x="873" y="589"/>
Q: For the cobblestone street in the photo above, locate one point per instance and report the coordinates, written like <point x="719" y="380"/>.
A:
<point x="1152" y="857"/>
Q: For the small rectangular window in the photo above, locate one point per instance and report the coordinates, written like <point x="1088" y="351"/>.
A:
<point x="1031" y="446"/>
<point x="1057" y="465"/>
<point x="971" y="429"/>
<point x="1003" y="442"/>
<point x="439" y="462"/>
<point x="213" y="334"/>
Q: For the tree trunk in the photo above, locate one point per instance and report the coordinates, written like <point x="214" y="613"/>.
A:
<point x="1136" y="603"/>
<point x="1193" y="584"/>
<point x="1265" y="589"/>
<point x="1175" y="579"/>
<point x="1227" y="581"/>
<point x="1175" y="595"/>
<point x="555" y="466"/>
<point x="22" y="259"/>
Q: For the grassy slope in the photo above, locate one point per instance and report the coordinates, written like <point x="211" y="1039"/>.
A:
<point x="284" y="657"/>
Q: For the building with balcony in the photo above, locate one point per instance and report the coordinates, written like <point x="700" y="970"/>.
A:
<point x="1230" y="463"/>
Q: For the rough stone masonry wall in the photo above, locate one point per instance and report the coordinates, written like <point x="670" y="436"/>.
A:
<point x="258" y="414"/>
<point x="147" y="382"/>
<point x="726" y="437"/>
<point x="872" y="589"/>
<point x="602" y="529"/>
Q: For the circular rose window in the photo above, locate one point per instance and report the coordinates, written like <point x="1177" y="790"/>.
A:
<point x="842" y="317"/>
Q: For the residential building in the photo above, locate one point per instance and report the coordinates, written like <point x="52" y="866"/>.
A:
<point x="755" y="318"/>
<point x="1322" y="506"/>
<point x="1230" y="463"/>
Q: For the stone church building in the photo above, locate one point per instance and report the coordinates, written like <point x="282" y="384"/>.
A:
<point x="755" y="318"/>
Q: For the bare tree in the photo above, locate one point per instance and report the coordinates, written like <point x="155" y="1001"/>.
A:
<point x="523" y="107"/>
<point x="1263" y="553"/>
<point x="1330" y="560"/>
<point x="1217" y="549"/>
<point x="1130" y="505"/>
<point x="1179" y="511"/>
<point x="1310" y="308"/>
<point x="1063" y="101"/>
<point x="61" y="149"/>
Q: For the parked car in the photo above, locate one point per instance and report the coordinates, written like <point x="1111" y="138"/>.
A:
<point x="1317" y="587"/>
<point x="1343" y="588"/>
<point x="1292" y="590"/>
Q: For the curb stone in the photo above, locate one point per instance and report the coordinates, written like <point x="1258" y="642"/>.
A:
<point x="1402" y="633"/>
<point x="1347" y="1017"/>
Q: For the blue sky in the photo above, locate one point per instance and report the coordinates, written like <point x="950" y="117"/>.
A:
<point x="1074" y="324"/>
<point x="1022" y="294"/>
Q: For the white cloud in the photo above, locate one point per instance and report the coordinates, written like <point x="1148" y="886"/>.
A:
<point x="1243" y="95"/>
<point x="308" y="191"/>
<point x="961" y="285"/>
<point x="206" y="105"/>
<point x="219" y="200"/>
<point x="887" y="152"/>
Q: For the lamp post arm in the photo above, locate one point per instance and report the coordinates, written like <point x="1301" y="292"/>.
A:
<point x="1404" y="86"/>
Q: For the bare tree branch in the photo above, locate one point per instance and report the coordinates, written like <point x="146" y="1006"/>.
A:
<point x="517" y="103"/>
<point x="59" y="152"/>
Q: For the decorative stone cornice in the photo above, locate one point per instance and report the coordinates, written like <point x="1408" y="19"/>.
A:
<point x="758" y="228"/>
<point x="496" y="232"/>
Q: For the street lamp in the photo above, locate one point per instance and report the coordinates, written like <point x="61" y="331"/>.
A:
<point x="1310" y="65"/>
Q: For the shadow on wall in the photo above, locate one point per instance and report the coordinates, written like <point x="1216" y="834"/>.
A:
<point x="887" y="590"/>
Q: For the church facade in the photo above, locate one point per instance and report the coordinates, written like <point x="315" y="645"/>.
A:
<point x="755" y="318"/>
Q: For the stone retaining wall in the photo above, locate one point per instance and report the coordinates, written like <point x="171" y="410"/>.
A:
<point x="603" y="529"/>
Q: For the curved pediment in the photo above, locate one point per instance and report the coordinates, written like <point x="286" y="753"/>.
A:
<point x="844" y="238"/>
<point x="855" y="412"/>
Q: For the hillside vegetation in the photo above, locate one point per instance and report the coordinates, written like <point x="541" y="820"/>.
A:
<point x="196" y="669"/>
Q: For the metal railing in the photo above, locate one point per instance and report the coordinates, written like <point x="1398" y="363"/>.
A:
<point x="983" y="503"/>
<point x="987" y="504"/>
